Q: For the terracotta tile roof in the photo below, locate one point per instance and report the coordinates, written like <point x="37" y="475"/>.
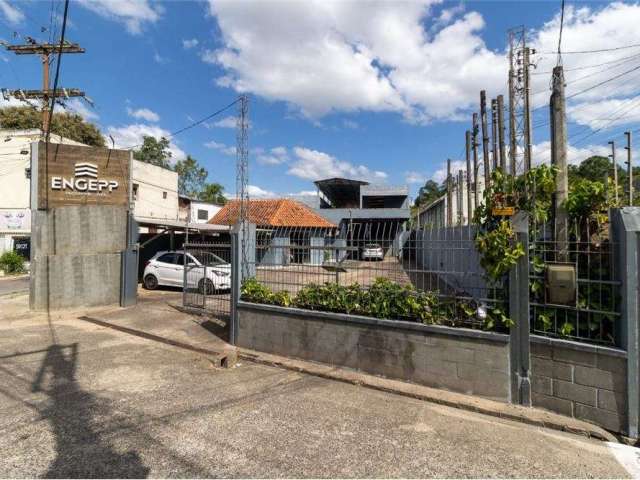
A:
<point x="281" y="212"/>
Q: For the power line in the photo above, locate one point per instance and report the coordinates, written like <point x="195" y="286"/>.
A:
<point x="637" y="67"/>
<point x="559" y="62"/>
<point x="586" y="67"/>
<point x="58" y="62"/>
<point x="574" y="52"/>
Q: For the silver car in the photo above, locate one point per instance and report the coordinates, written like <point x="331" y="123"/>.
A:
<point x="372" y="251"/>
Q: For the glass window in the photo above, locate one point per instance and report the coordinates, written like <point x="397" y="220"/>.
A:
<point x="135" y="191"/>
<point x="167" y="258"/>
<point x="203" y="214"/>
<point x="164" y="195"/>
<point x="179" y="259"/>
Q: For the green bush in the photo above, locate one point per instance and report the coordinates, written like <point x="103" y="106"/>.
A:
<point x="253" y="291"/>
<point x="11" y="262"/>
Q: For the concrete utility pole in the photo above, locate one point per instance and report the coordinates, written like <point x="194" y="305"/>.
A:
<point x="503" y="153"/>
<point x="629" y="167"/>
<point x="559" y="159"/>
<point x="513" y="144"/>
<point x="467" y="137"/>
<point x="494" y="132"/>
<point x="474" y="129"/>
<point x="449" y="195"/>
<point x="615" y="169"/>
<point x="460" y="197"/>
<point x="527" y="109"/>
<point x="485" y="139"/>
<point x="45" y="50"/>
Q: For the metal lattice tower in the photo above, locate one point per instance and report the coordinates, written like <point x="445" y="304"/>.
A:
<point x="242" y="172"/>
<point x="519" y="134"/>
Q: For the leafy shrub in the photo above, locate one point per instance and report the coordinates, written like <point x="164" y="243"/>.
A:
<point x="253" y="291"/>
<point x="498" y="249"/>
<point x="11" y="262"/>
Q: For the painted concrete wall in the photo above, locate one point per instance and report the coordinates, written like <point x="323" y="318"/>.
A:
<point x="153" y="185"/>
<point x="463" y="361"/>
<point x="210" y="208"/>
<point x="581" y="381"/>
<point x="76" y="254"/>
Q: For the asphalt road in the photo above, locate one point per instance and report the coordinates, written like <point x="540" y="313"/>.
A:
<point x="78" y="400"/>
<point x="13" y="285"/>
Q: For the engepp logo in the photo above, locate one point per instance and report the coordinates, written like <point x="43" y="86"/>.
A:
<point x="85" y="179"/>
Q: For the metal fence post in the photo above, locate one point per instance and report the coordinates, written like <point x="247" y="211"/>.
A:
<point x="519" y="349"/>
<point x="235" y="287"/>
<point x="626" y="236"/>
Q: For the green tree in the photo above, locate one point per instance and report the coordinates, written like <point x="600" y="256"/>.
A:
<point x="191" y="177"/>
<point x="213" y="193"/>
<point x="154" y="151"/>
<point x="594" y="169"/>
<point x="69" y="125"/>
<point x="428" y="193"/>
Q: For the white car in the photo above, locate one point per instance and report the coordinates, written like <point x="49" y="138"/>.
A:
<point x="167" y="268"/>
<point x="372" y="251"/>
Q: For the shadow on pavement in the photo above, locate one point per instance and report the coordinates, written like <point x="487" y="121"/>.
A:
<point x="80" y="449"/>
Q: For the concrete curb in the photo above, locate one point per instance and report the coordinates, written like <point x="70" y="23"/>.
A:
<point x="16" y="293"/>
<point x="531" y="416"/>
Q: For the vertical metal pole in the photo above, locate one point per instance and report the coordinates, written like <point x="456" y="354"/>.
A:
<point x="494" y="132"/>
<point x="449" y="195"/>
<point x="629" y="167"/>
<point x="615" y="170"/>
<point x="235" y="288"/>
<point x="474" y="129"/>
<point x="519" y="348"/>
<point x="502" y="149"/>
<point x="184" y="273"/>
<point x="485" y="139"/>
<point x="513" y="145"/>
<point x="467" y="138"/>
<point x="527" y="110"/>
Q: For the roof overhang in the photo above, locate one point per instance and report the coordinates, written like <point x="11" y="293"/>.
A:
<point x="177" y="225"/>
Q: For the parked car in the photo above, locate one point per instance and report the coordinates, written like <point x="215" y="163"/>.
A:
<point x="372" y="251"/>
<point x="167" y="268"/>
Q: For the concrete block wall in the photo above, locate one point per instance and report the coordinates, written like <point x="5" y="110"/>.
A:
<point x="459" y="360"/>
<point x="76" y="256"/>
<point x="581" y="381"/>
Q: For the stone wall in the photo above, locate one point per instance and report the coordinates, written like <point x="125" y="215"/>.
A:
<point x="579" y="380"/>
<point x="461" y="360"/>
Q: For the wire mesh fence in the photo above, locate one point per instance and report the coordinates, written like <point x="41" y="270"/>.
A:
<point x="594" y="314"/>
<point x="207" y="277"/>
<point x="378" y="268"/>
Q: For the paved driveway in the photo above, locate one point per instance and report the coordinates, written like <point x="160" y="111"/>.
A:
<point x="78" y="400"/>
<point x="13" y="285"/>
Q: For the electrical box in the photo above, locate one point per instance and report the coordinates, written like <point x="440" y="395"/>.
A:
<point x="560" y="283"/>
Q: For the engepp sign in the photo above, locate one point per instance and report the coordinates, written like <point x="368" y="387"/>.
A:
<point x="78" y="175"/>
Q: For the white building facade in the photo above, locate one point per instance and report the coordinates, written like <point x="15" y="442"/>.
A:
<point x="197" y="211"/>
<point x="154" y="192"/>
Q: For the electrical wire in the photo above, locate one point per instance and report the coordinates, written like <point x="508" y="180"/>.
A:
<point x="637" y="67"/>
<point x="559" y="62"/>
<point x="586" y="67"/>
<point x="613" y="49"/>
<point x="58" y="62"/>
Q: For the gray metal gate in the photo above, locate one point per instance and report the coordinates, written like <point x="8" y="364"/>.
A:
<point x="207" y="278"/>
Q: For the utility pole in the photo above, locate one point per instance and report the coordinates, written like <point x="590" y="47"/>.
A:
<point x="449" y="195"/>
<point x="615" y="170"/>
<point x="45" y="50"/>
<point x="485" y="139"/>
<point x="629" y="167"/>
<point x="460" y="197"/>
<point x="527" y="109"/>
<point x="474" y="129"/>
<point x="559" y="160"/>
<point x="494" y="132"/>
<point x="467" y="137"/>
<point x="503" y="153"/>
<point x="513" y="144"/>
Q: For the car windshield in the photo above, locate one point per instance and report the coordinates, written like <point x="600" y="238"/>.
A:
<point x="209" y="259"/>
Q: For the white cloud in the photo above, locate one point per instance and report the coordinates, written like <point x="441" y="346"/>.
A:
<point x="221" y="147"/>
<point x="440" y="175"/>
<point x="606" y="114"/>
<point x="352" y="124"/>
<point x="133" y="14"/>
<point x="11" y="13"/>
<point x="415" y="178"/>
<point x="76" y="105"/>
<point x="132" y="135"/>
<point x="160" y="59"/>
<point x="226" y="122"/>
<point x="143" y="114"/>
<point x="275" y="156"/>
<point x="316" y="165"/>
<point x="187" y="44"/>
<point x="575" y="155"/>
<point x="257" y="192"/>
<point x="322" y="57"/>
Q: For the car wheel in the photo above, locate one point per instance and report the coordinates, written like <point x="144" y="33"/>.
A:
<point x="206" y="287"/>
<point x="150" y="282"/>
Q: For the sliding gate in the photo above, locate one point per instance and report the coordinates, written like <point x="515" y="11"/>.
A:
<point x="207" y="278"/>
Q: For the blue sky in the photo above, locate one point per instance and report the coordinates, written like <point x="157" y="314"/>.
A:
<point x="382" y="91"/>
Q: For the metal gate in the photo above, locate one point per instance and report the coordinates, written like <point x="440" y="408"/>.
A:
<point x="207" y="278"/>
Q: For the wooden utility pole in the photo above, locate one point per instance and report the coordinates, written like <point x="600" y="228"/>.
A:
<point x="629" y="167"/>
<point x="501" y="145"/>
<point x="45" y="50"/>
<point x="467" y="138"/>
<point x="485" y="139"/>
<point x="527" y="109"/>
<point x="615" y="170"/>
<point x="494" y="132"/>
<point x="559" y="160"/>
<point x="449" y="195"/>
<point x="474" y="129"/>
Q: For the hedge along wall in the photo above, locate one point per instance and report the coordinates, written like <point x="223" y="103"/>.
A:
<point x="457" y="359"/>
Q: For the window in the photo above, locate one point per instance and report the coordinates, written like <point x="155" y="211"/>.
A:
<point x="164" y="195"/>
<point x="167" y="258"/>
<point x="135" y="191"/>
<point x="203" y="214"/>
<point x="179" y="258"/>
